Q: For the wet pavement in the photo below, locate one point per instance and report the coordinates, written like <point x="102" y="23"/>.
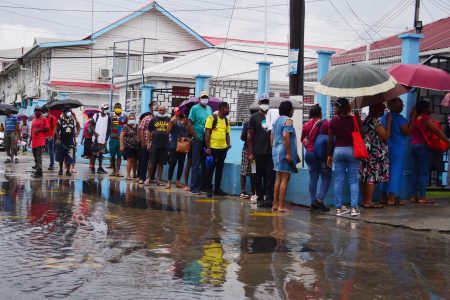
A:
<point x="96" y="237"/>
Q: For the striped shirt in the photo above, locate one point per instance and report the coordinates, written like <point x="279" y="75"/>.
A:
<point x="11" y="123"/>
<point x="117" y="123"/>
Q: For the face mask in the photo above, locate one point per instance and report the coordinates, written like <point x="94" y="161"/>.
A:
<point x="226" y="113"/>
<point x="37" y="114"/>
<point x="155" y="114"/>
<point x="132" y="122"/>
<point x="204" y="101"/>
<point x="45" y="114"/>
<point x="118" y="111"/>
<point x="104" y="110"/>
<point x="264" y="107"/>
<point x="68" y="114"/>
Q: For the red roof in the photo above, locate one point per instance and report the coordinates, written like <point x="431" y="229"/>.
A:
<point x="219" y="40"/>
<point x="80" y="87"/>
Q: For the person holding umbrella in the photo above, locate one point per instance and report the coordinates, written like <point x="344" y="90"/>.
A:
<point x="65" y="135"/>
<point x="12" y="134"/>
<point x="196" y="127"/>
<point x="39" y="131"/>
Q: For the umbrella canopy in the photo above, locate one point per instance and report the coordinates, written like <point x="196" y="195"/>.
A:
<point x="360" y="102"/>
<point x="354" y="80"/>
<point x="22" y="117"/>
<point x="274" y="102"/>
<point x="62" y="104"/>
<point x="446" y="100"/>
<point x="187" y="104"/>
<point x="421" y="76"/>
<point x="87" y="113"/>
<point x="5" y="107"/>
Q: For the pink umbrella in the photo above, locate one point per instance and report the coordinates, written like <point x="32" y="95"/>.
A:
<point x="446" y="100"/>
<point x="421" y="76"/>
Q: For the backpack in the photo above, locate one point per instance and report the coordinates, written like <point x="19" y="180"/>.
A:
<point x="433" y="141"/>
<point x="215" y="120"/>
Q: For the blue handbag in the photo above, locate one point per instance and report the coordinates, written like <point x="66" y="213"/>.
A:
<point x="320" y="144"/>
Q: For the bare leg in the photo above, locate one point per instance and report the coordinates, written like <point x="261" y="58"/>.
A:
<point x="276" y="190"/>
<point x="187" y="169"/>
<point x="119" y="162"/>
<point x="134" y="167"/>
<point x="129" y="165"/>
<point x="370" y="189"/>
<point x="113" y="164"/>
<point x="384" y="197"/>
<point x="284" y="178"/>
<point x="391" y="200"/>
<point x="364" y="193"/>
<point x="243" y="182"/>
<point x="150" y="171"/>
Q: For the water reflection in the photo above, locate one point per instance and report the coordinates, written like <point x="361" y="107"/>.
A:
<point x="64" y="237"/>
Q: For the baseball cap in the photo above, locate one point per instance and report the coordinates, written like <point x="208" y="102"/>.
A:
<point x="263" y="97"/>
<point x="204" y="94"/>
<point x="104" y="106"/>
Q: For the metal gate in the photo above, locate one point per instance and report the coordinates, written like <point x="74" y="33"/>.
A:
<point x="440" y="113"/>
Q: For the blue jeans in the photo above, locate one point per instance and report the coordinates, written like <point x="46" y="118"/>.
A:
<point x="198" y="166"/>
<point x="345" y="165"/>
<point x="51" y="151"/>
<point x="317" y="169"/>
<point x="421" y="156"/>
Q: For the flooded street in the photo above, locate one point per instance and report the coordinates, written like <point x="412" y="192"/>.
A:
<point x="102" y="238"/>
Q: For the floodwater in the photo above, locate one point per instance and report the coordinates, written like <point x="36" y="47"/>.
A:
<point x="106" y="239"/>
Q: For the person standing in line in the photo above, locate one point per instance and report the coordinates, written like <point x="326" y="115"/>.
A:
<point x="260" y="151"/>
<point x="118" y="120"/>
<point x="284" y="153"/>
<point x="74" y="150"/>
<point x="66" y="141"/>
<point x="246" y="166"/>
<point x="317" y="168"/>
<point x="102" y="125"/>
<point x="25" y="134"/>
<point x="400" y="129"/>
<point x="159" y="142"/>
<point x="50" y="142"/>
<point x="144" y="136"/>
<point x="341" y="155"/>
<point x="196" y="128"/>
<point x="421" y="153"/>
<point x="176" y="129"/>
<point x="11" y="135"/>
<point x="86" y="138"/>
<point x="129" y="146"/>
<point x="217" y="140"/>
<point x="39" y="130"/>
<point x="374" y="169"/>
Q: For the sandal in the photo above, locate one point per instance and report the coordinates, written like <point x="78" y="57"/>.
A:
<point x="186" y="188"/>
<point x="425" y="201"/>
<point x="396" y="203"/>
<point x="129" y="178"/>
<point x="371" y="206"/>
<point x="159" y="183"/>
<point x="414" y="199"/>
<point x="167" y="187"/>
<point x="119" y="175"/>
<point x="179" y="186"/>
<point x="274" y="208"/>
<point x="284" y="210"/>
<point x="147" y="183"/>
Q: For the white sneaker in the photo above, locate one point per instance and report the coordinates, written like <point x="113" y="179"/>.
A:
<point x="341" y="211"/>
<point x="254" y="199"/>
<point x="355" y="212"/>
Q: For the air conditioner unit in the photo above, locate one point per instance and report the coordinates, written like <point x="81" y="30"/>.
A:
<point x="104" y="74"/>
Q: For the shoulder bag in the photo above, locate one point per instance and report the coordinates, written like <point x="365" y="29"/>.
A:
<point x="359" y="147"/>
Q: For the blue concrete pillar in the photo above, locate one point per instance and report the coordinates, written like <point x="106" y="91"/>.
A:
<point x="410" y="55"/>
<point x="263" y="77"/>
<point x="201" y="84"/>
<point x="323" y="65"/>
<point x="146" y="95"/>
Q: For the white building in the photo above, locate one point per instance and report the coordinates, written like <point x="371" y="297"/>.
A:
<point x="82" y="69"/>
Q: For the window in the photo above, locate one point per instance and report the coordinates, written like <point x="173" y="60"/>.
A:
<point x="120" y="63"/>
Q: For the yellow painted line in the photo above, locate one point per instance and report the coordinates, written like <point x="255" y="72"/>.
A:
<point x="206" y="201"/>
<point x="14" y="217"/>
<point x="262" y="214"/>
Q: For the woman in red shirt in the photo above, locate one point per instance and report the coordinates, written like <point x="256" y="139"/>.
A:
<point x="421" y="154"/>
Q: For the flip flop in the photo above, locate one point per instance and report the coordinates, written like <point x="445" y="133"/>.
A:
<point x="396" y="203"/>
<point x="284" y="210"/>
<point x="119" y="175"/>
<point x="372" y="206"/>
<point x="186" y="188"/>
<point x="167" y="186"/>
<point x="425" y="201"/>
<point x="129" y="178"/>
<point x="274" y="209"/>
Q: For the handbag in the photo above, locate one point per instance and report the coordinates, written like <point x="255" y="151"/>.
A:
<point x="359" y="147"/>
<point x="183" y="144"/>
<point x="433" y="141"/>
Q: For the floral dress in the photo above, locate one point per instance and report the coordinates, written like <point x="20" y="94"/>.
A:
<point x="374" y="169"/>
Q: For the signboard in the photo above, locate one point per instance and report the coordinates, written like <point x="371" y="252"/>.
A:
<point x="293" y="61"/>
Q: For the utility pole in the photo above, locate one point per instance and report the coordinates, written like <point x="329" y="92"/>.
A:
<point x="297" y="42"/>
<point x="417" y="24"/>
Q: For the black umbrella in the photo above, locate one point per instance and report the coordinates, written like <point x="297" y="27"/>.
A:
<point x="5" y="107"/>
<point x="62" y="104"/>
<point x="355" y="80"/>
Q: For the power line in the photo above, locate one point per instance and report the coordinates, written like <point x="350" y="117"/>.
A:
<point x="226" y="39"/>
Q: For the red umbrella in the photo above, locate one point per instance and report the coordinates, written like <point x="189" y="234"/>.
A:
<point x="22" y="117"/>
<point x="89" y="112"/>
<point x="421" y="76"/>
<point x="446" y="100"/>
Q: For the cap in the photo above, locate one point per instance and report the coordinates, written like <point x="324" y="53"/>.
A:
<point x="341" y="102"/>
<point x="263" y="97"/>
<point x="104" y="106"/>
<point x="204" y="94"/>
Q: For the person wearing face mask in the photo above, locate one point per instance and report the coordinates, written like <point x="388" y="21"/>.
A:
<point x="50" y="142"/>
<point x="102" y="123"/>
<point x="129" y="146"/>
<point x="259" y="150"/>
<point x="196" y="128"/>
<point x="39" y="129"/>
<point x="217" y="140"/>
<point x="86" y="139"/>
<point x="65" y="134"/>
<point x="159" y="142"/>
<point x="118" y="120"/>
<point x="144" y="144"/>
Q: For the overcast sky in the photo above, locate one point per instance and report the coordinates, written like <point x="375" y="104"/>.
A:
<point x="347" y="24"/>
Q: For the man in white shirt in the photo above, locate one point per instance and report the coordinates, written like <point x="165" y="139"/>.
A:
<point x="102" y="130"/>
